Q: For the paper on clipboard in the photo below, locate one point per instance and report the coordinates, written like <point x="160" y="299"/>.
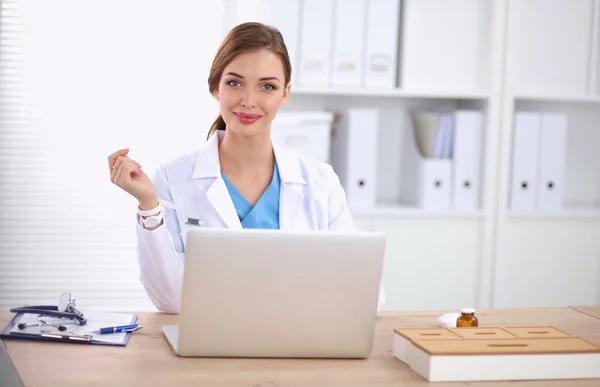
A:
<point x="95" y="321"/>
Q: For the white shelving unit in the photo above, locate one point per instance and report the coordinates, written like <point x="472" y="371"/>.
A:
<point x="433" y="257"/>
<point x="550" y="258"/>
<point x="500" y="57"/>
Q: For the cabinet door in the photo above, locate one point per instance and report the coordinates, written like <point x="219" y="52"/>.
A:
<point x="363" y="222"/>
<point x="549" y="46"/>
<point x="548" y="263"/>
<point x="430" y="263"/>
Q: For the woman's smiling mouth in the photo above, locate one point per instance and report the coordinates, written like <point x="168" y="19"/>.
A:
<point x="247" y="118"/>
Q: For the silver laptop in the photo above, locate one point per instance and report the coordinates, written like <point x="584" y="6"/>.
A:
<point x="275" y="293"/>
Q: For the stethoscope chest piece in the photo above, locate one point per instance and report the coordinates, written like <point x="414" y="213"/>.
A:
<point x="64" y="310"/>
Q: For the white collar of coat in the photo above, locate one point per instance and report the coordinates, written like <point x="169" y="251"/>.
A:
<point x="207" y="163"/>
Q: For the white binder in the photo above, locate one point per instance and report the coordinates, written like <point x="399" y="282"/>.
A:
<point x="306" y="132"/>
<point x="284" y="16"/>
<point x="348" y="42"/>
<point x="315" y="43"/>
<point x="467" y="156"/>
<point x="241" y="11"/>
<point x="426" y="182"/>
<point x="524" y="180"/>
<point x="354" y="155"/>
<point x="552" y="159"/>
<point x="381" y="50"/>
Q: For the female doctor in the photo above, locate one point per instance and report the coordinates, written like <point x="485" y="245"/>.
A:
<point x="239" y="178"/>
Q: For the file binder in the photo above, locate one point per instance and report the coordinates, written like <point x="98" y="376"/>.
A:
<point x="466" y="172"/>
<point x="381" y="47"/>
<point x="240" y="11"/>
<point x="433" y="134"/>
<point x="315" y="43"/>
<point x="306" y="132"/>
<point x="84" y="334"/>
<point x="425" y="174"/>
<point x="348" y="42"/>
<point x="552" y="160"/>
<point x="525" y="162"/>
<point x="284" y="16"/>
<point x="354" y="155"/>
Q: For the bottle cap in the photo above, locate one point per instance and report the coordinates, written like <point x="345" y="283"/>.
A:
<point x="467" y="310"/>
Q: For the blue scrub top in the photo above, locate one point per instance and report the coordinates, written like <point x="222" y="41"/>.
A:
<point x="265" y="213"/>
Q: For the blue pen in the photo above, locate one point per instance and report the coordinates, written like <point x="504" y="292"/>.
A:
<point x="120" y="328"/>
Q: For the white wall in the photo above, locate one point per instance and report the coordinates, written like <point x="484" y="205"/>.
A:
<point x="94" y="77"/>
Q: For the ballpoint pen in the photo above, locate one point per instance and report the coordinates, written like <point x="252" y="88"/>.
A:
<point x="120" y="328"/>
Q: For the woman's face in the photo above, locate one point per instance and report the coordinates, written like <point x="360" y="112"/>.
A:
<point x="251" y="91"/>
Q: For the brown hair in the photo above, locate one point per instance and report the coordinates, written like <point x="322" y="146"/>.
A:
<point x="246" y="37"/>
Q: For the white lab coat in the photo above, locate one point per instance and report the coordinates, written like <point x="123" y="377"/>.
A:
<point x="312" y="198"/>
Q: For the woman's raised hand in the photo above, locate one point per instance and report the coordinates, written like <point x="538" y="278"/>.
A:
<point x="128" y="175"/>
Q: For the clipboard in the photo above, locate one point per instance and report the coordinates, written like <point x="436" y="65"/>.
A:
<point x="73" y="334"/>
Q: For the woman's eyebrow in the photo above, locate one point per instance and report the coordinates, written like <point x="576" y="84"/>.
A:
<point x="262" y="79"/>
<point x="270" y="79"/>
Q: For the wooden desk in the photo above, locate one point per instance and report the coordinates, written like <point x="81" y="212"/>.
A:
<point x="149" y="361"/>
<point x="592" y="310"/>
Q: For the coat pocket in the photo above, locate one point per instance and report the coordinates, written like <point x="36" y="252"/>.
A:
<point x="188" y="223"/>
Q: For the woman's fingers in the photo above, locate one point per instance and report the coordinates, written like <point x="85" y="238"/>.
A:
<point x="124" y="169"/>
<point x="119" y="176"/>
<point x="113" y="158"/>
<point x="118" y="162"/>
<point x="115" y="168"/>
<point x="124" y="172"/>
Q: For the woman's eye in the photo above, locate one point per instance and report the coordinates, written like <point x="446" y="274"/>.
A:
<point x="233" y="83"/>
<point x="269" y="87"/>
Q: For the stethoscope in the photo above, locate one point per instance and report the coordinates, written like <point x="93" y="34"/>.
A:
<point x="65" y="310"/>
<point x="44" y="323"/>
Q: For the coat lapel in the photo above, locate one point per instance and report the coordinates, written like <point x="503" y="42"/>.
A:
<point x="208" y="167"/>
<point x="291" y="189"/>
<point x="292" y="186"/>
<point x="290" y="203"/>
<point x="219" y="197"/>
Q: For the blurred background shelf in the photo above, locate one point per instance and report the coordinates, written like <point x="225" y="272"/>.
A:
<point x="565" y="214"/>
<point x="408" y="211"/>
<point x="387" y="93"/>
<point x="584" y="99"/>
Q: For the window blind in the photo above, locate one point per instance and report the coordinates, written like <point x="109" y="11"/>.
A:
<point x="79" y="80"/>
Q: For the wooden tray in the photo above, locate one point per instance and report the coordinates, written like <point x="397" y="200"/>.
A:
<point x="496" y="353"/>
<point x="482" y="333"/>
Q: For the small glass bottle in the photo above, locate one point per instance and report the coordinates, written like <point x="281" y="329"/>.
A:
<point x="467" y="319"/>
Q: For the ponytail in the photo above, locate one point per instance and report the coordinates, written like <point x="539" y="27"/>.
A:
<point x="218" y="124"/>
